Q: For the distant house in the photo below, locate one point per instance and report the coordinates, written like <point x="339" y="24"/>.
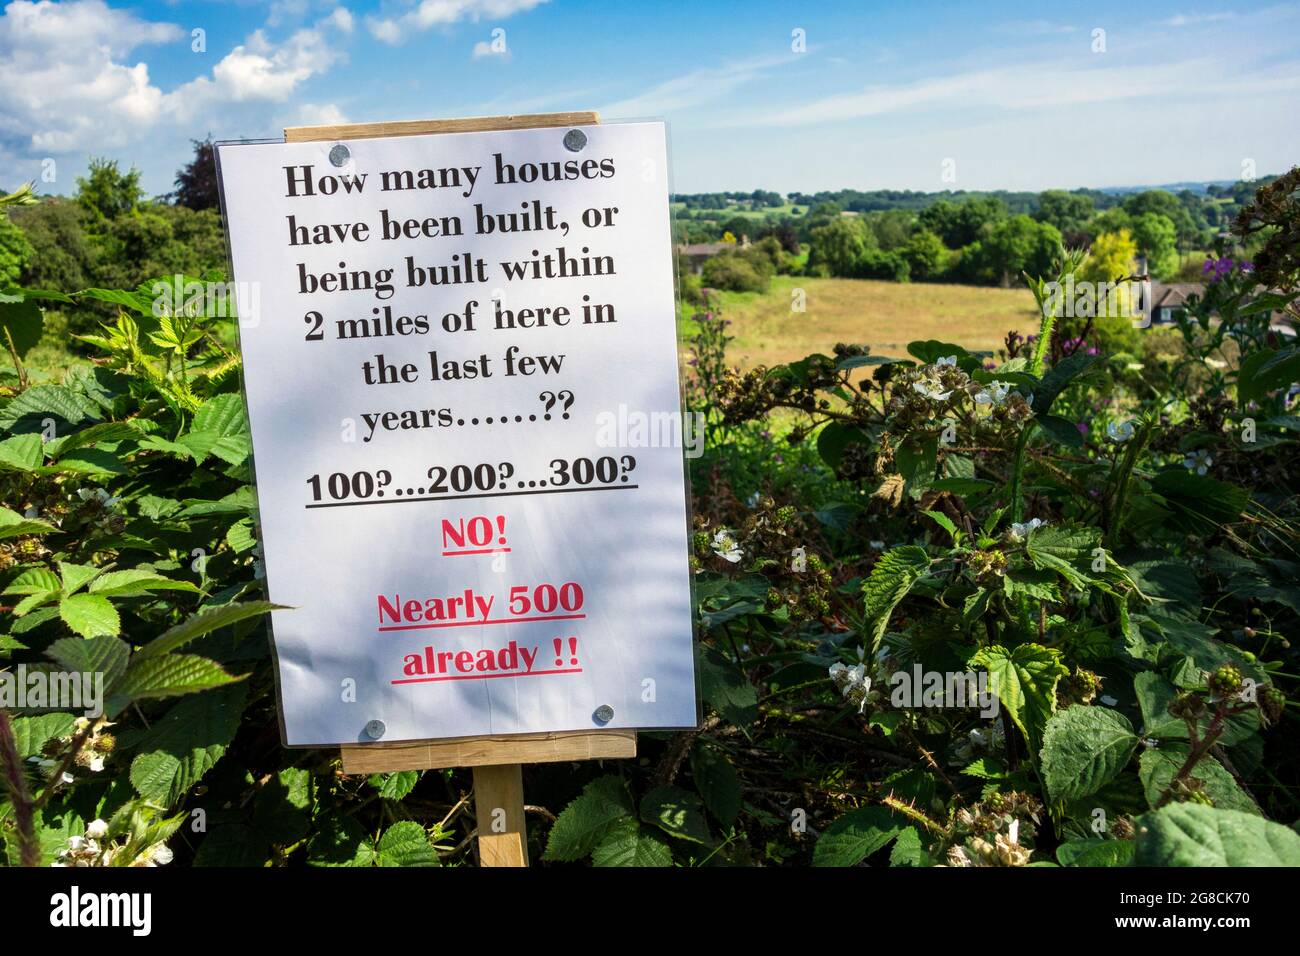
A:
<point x="1169" y="299"/>
<point x="694" y="255"/>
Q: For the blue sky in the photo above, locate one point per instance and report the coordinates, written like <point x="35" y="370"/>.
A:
<point x="1016" y="96"/>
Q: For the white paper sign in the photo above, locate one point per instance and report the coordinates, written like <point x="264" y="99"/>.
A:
<point x="461" y="371"/>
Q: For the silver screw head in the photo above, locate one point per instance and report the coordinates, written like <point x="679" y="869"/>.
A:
<point x="375" y="729"/>
<point x="574" y="140"/>
<point x="340" y="154"/>
<point x="603" y="714"/>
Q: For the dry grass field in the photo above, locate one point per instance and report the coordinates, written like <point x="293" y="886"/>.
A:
<point x="884" y="315"/>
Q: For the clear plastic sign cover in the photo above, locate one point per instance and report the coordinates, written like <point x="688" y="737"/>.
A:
<point x="461" y="372"/>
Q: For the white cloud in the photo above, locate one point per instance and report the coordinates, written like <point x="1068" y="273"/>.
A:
<point x="483" y="49"/>
<point x="72" y="83"/>
<point x="321" y="114"/>
<point x="694" y="88"/>
<point x="66" y="85"/>
<point x="260" y="70"/>
<point x="1192" y="19"/>
<point x="434" y="13"/>
<point x="342" y="18"/>
<point x="1036" y="28"/>
<point x="1033" y="86"/>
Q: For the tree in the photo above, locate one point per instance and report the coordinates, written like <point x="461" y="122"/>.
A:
<point x="63" y="256"/>
<point x="15" y="251"/>
<point x="838" y="247"/>
<point x="1110" y="259"/>
<point x="926" y="256"/>
<point x="1068" y="212"/>
<point x="737" y="272"/>
<point x="106" y="192"/>
<point x="1018" y="245"/>
<point x="1111" y="221"/>
<point x="960" y="224"/>
<point x="1166" y="204"/>
<point x="196" y="181"/>
<point x="891" y="228"/>
<point x="1157" y="240"/>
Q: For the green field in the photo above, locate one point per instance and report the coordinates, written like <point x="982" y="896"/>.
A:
<point x="723" y="214"/>
<point x="884" y="315"/>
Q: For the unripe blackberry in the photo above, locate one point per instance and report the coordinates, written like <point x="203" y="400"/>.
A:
<point x="1226" y="681"/>
<point x="1187" y="706"/>
<point x="1271" y="702"/>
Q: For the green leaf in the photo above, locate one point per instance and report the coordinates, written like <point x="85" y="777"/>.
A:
<point x="628" y="844"/>
<point x="34" y="581"/>
<point x="203" y="623"/>
<point x="31" y="734"/>
<point x="855" y="836"/>
<point x="1200" y="502"/>
<point x="87" y="461"/>
<point x="1065" y="550"/>
<point x="1058" y="377"/>
<point x="1188" y="834"/>
<point x="282" y="810"/>
<point x="86" y="437"/>
<point x="395" y="786"/>
<point x="586" y="821"/>
<point x="90" y="615"/>
<point x="340" y="841"/>
<point x="21" y="324"/>
<point x="1156" y="769"/>
<point x="1155" y="694"/>
<point x="176" y="751"/>
<point x="1025" y="681"/>
<point x="74" y="577"/>
<point x="944" y="522"/>
<point x="909" y="850"/>
<point x="1095" y="851"/>
<point x="240" y="536"/>
<point x="21" y="453"/>
<point x="14" y="525"/>
<point x="135" y="582"/>
<point x="717" y="781"/>
<point x="169" y="675"/>
<point x="406" y="844"/>
<point x="48" y="401"/>
<point x="232" y="845"/>
<point x="1267" y="370"/>
<point x="726" y="689"/>
<point x="1083" y="749"/>
<point x="1061" y="430"/>
<point x="891" y="578"/>
<point x="677" y="813"/>
<point x="96" y="655"/>
<point x="1039" y="585"/>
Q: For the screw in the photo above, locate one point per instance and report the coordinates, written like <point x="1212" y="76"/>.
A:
<point x="375" y="729"/>
<point x="574" y="140"/>
<point x="339" y="155"/>
<point x="604" y="714"/>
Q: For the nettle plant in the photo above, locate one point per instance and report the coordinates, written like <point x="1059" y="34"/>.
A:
<point x="1115" y="564"/>
<point x="1127" y="606"/>
<point x="129" y="568"/>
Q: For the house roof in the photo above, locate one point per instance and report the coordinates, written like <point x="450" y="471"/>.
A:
<point x="703" y="248"/>
<point x="1173" y="294"/>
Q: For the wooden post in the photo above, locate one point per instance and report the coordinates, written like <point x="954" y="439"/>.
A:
<point x="497" y="761"/>
<point x="499" y="810"/>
